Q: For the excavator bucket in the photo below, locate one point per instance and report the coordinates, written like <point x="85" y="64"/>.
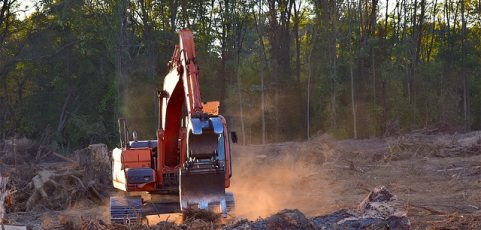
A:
<point x="202" y="179"/>
<point x="203" y="190"/>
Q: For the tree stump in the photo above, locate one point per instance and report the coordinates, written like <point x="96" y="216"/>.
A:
<point x="95" y="159"/>
<point x="3" y="194"/>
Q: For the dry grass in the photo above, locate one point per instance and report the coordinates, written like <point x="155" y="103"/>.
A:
<point x="200" y="214"/>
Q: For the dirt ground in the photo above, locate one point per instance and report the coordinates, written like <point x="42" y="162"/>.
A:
<point x="436" y="177"/>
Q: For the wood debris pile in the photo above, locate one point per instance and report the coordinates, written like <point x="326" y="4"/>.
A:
<point x="200" y="214"/>
<point x="46" y="180"/>
<point x="378" y="210"/>
<point x="79" y="222"/>
<point x="418" y="144"/>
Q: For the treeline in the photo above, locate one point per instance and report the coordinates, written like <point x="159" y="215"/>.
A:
<point x="282" y="69"/>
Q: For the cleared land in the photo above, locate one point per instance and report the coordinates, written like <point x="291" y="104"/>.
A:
<point x="436" y="178"/>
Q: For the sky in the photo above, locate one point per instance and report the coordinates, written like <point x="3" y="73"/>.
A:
<point x="26" y="7"/>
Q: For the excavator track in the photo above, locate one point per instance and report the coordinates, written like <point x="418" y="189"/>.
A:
<point x="130" y="209"/>
<point x="230" y="204"/>
<point x="125" y="210"/>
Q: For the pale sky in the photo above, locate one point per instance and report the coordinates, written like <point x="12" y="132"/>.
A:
<point x="26" y="7"/>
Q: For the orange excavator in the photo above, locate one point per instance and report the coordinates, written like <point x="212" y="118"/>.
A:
<point x="189" y="162"/>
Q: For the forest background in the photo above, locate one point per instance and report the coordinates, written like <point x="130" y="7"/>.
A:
<point x="282" y="69"/>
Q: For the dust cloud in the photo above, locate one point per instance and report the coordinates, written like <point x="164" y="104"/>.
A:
<point x="271" y="178"/>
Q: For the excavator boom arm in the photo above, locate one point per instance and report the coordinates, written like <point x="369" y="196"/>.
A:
<point x="185" y="64"/>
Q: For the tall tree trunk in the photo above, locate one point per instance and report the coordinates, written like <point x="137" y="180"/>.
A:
<point x="263" y="62"/>
<point x="405" y="19"/>
<point x="333" y="61"/>
<point x="397" y="22"/>
<point x="279" y="13"/>
<point x="145" y="7"/>
<point x="419" y="31"/>
<point x="263" y="107"/>
<point x="273" y="38"/>
<point x="298" y="44"/>
<point x="386" y="17"/>
<point x="173" y="14"/>
<point x="7" y="13"/>
<point x="122" y="78"/>
<point x="239" y="95"/>
<point x="372" y="32"/>
<point x="353" y="103"/>
<point x="309" y="77"/>
<point x="464" y="74"/>
<point x="239" y="33"/>
<point x="433" y="28"/>
<point x="225" y="43"/>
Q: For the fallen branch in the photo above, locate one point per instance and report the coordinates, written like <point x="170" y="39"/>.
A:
<point x="95" y="193"/>
<point x="64" y="158"/>
<point x="78" y="181"/>
<point x="436" y="212"/>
